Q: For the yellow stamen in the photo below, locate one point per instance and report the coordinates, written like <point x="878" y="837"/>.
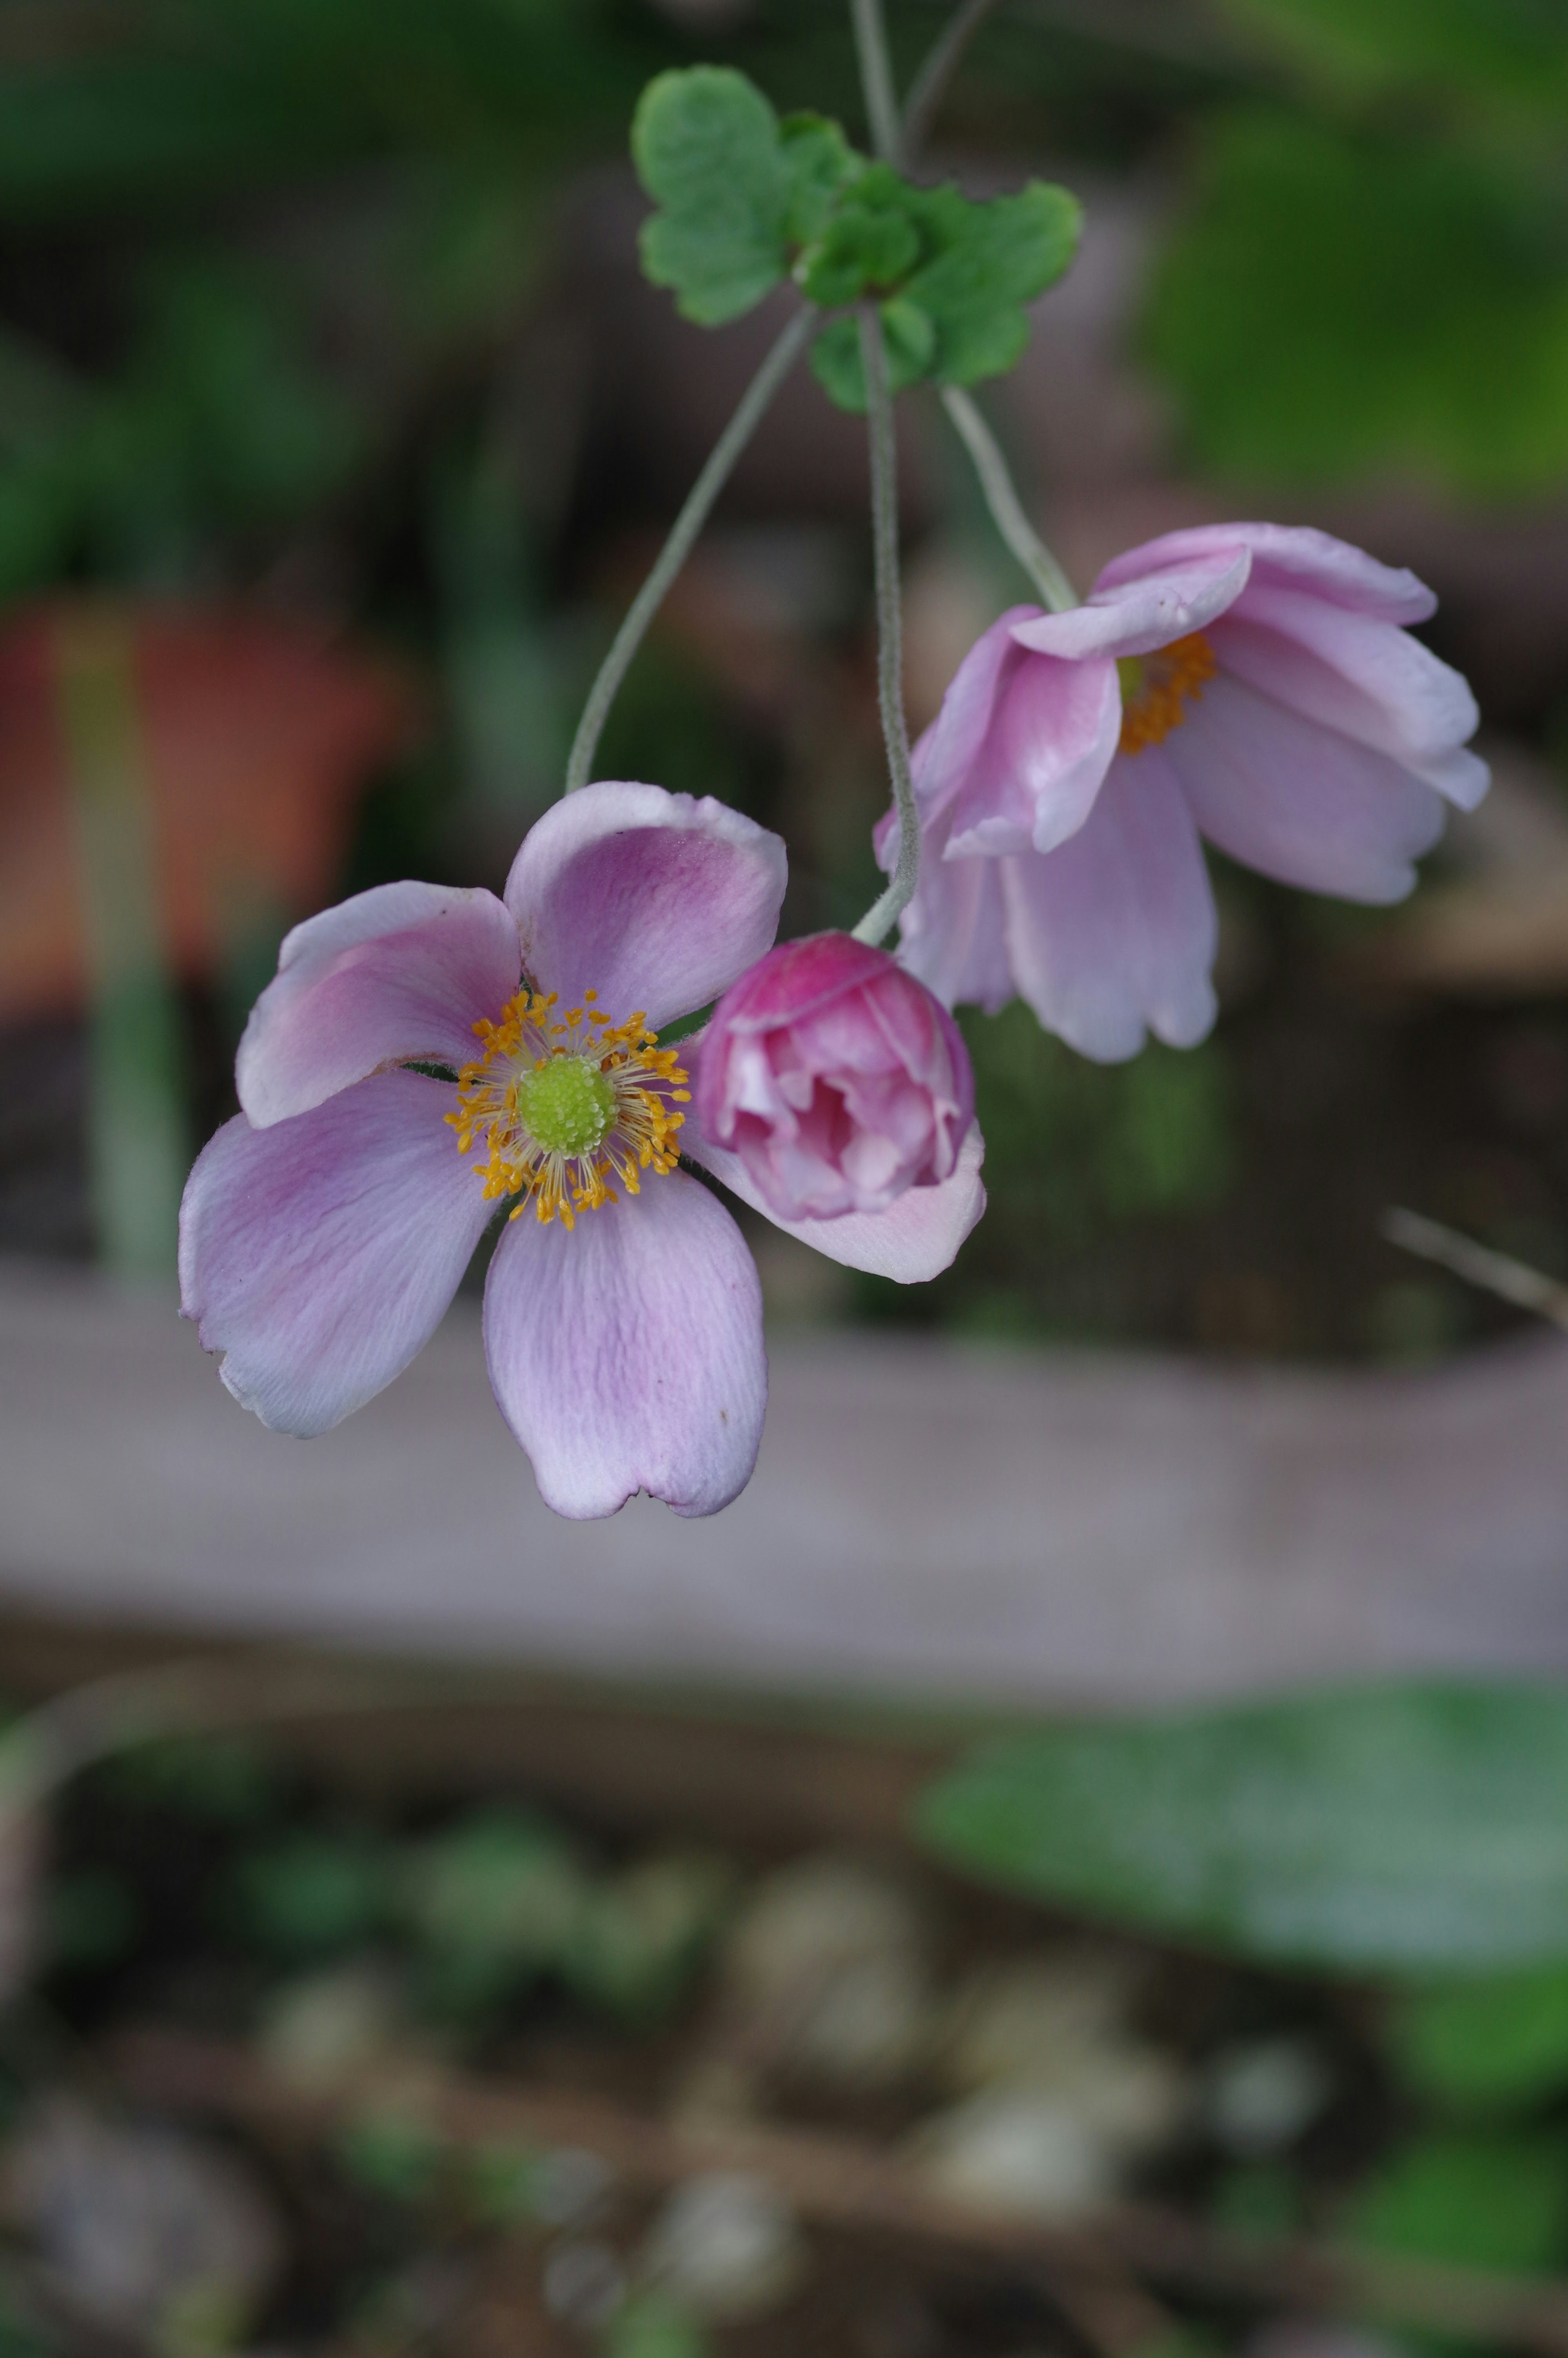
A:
<point x="1155" y="689"/>
<point x="558" y="1132"/>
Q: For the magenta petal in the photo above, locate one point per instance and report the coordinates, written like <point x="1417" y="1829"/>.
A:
<point x="1035" y="779"/>
<point x="320" y="1254"/>
<point x="1116" y="931"/>
<point x="655" y="900"/>
<point x="913" y="1242"/>
<point x="401" y="972"/>
<point x="1134" y="617"/>
<point x="946" y="751"/>
<point x="1289" y="557"/>
<point x="626" y="1354"/>
<point x="1367" y="679"/>
<point x="951" y="935"/>
<point x="1298" y="802"/>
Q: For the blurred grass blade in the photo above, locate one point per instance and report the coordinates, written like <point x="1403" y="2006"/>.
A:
<point x="136" y="1141"/>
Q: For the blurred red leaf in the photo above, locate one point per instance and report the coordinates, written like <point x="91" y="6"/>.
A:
<point x="258" y="737"/>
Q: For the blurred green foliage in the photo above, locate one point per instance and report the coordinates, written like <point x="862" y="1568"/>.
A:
<point x="1374" y="274"/>
<point x="312" y="1895"/>
<point x="1486" y="2046"/>
<point x="1399" y="1829"/>
<point x="1472" y="2200"/>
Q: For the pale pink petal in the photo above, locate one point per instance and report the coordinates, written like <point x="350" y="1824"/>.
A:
<point x="401" y="972"/>
<point x="1298" y="802"/>
<point x="1289" y="557"/>
<point x="951" y="934"/>
<point x="946" y="751"/>
<point x="1116" y="931"/>
<point x="1367" y="679"/>
<point x="627" y="1353"/>
<point x="1134" y="617"/>
<point x="1035" y="776"/>
<point x="913" y="1242"/>
<point x="320" y="1254"/>
<point x="655" y="900"/>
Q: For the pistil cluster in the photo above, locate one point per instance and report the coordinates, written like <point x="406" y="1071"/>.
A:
<point x="568" y="1105"/>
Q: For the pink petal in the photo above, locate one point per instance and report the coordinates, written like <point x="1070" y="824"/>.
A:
<point x="320" y="1254"/>
<point x="627" y="1353"/>
<point x="913" y="1242"/>
<point x="1298" y="802"/>
<point x="1287" y="556"/>
<point x="1039" y="769"/>
<point x="946" y="751"/>
<point x="655" y="900"/>
<point x="1133" y="617"/>
<point x="401" y="972"/>
<point x="1116" y="931"/>
<point x="951" y="935"/>
<point x="1367" y="679"/>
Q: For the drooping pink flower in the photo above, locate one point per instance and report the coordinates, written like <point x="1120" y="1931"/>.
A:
<point x="325" y="1229"/>
<point x="1254" y="684"/>
<point x="836" y="1077"/>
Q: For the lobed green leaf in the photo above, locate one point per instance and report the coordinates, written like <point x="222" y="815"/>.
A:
<point x="707" y="149"/>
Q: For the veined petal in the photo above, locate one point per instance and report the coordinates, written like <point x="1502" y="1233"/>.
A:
<point x="951" y="935"/>
<point x="655" y="900"/>
<point x="1299" y="801"/>
<point x="1367" y="679"/>
<point x="946" y="751"/>
<point x="626" y="1354"/>
<point x="1033" y="781"/>
<point x="401" y="972"/>
<point x="320" y="1254"/>
<point x="1288" y="556"/>
<point x="1116" y="932"/>
<point x="1134" y="617"/>
<point x="913" y="1242"/>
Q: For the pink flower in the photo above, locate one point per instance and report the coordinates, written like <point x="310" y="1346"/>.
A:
<point x="325" y="1230"/>
<point x="1249" y="683"/>
<point x="837" y="1079"/>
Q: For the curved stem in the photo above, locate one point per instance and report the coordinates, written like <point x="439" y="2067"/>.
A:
<point x="889" y="906"/>
<point x="1007" y="510"/>
<point x="929" y="87"/>
<point x="876" y="78"/>
<point x="694" y="514"/>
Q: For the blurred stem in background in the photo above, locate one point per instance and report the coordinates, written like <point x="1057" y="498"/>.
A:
<point x="137" y="1147"/>
<point x="886" y="911"/>
<point x="683" y="531"/>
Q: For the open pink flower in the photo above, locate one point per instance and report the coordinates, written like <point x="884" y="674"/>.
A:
<point x="1254" y="684"/>
<point x="325" y="1230"/>
<point x="836" y="1077"/>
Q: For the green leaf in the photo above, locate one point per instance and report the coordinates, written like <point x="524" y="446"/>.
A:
<point x="1340" y="305"/>
<point x="821" y="165"/>
<point x="707" y="150"/>
<point x="1473" y="2200"/>
<point x="862" y="247"/>
<point x="910" y="340"/>
<point x="987" y="261"/>
<point x="1492" y="2043"/>
<point x="1418" y="1829"/>
<point x="1511" y="50"/>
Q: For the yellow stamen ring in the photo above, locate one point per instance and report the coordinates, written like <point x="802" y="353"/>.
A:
<point x="564" y="1107"/>
<point x="1155" y="689"/>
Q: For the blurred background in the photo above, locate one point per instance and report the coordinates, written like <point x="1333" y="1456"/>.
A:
<point x="694" y="1986"/>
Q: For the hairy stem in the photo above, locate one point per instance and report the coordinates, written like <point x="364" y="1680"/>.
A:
<point x="1007" y="510"/>
<point x="889" y="906"/>
<point x="929" y="87"/>
<point x="694" y="514"/>
<point x="876" y="78"/>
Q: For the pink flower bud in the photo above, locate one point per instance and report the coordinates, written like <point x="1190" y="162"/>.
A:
<point x="836" y="1077"/>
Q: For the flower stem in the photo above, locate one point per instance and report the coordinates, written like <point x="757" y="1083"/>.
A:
<point x="889" y="906"/>
<point x="683" y="533"/>
<point x="876" y="78"/>
<point x="929" y="87"/>
<point x="1007" y="510"/>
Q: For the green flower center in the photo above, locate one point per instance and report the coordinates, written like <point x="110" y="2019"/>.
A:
<point x="566" y="1104"/>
